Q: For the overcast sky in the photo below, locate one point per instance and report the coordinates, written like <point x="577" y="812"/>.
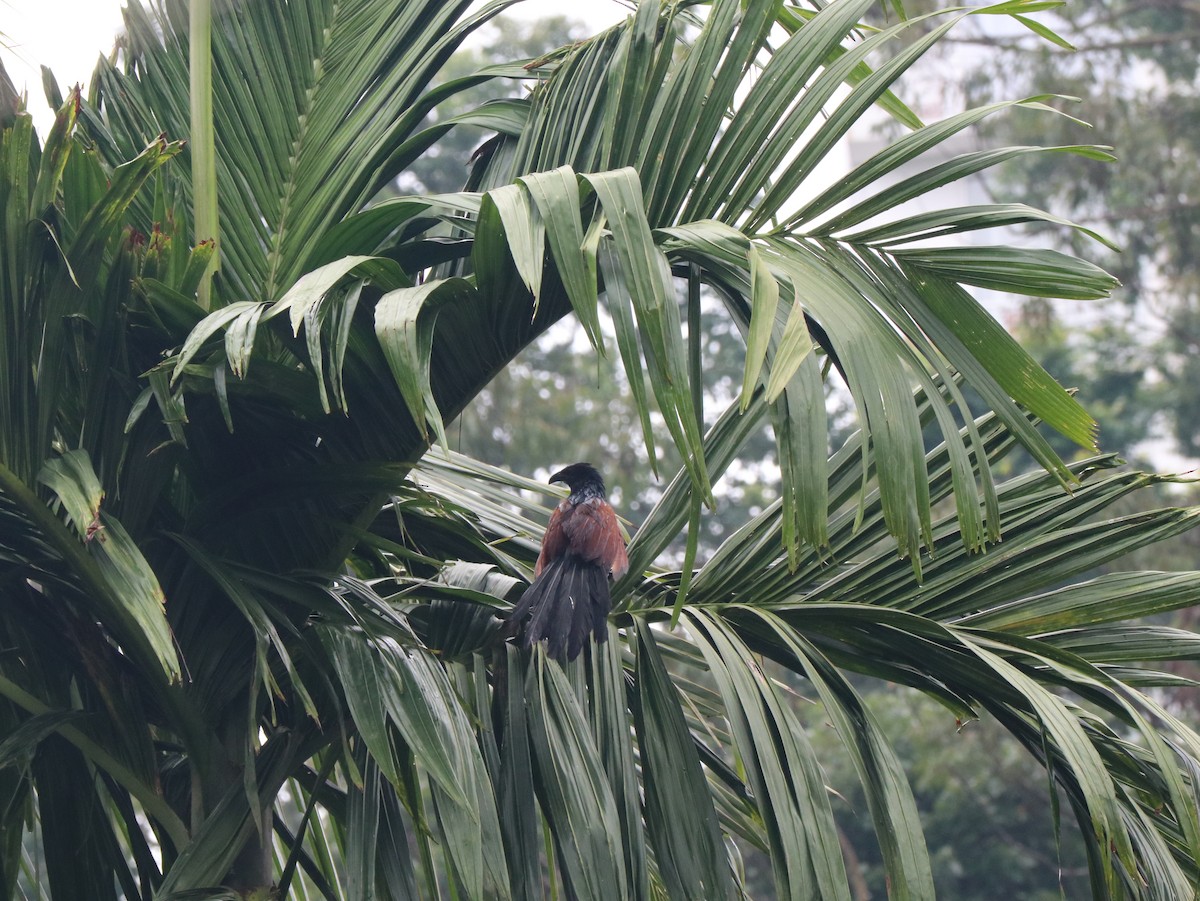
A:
<point x="66" y="35"/>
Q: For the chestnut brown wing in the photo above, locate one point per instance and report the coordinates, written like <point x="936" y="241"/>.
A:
<point x="592" y="533"/>
<point x="554" y="542"/>
<point x="618" y="560"/>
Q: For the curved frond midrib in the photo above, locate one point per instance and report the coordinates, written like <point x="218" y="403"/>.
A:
<point x="277" y="253"/>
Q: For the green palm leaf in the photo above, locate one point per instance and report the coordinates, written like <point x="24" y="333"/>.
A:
<point x="332" y="77"/>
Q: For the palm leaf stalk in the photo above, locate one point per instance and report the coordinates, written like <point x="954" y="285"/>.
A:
<point x="204" y="158"/>
<point x="323" y="702"/>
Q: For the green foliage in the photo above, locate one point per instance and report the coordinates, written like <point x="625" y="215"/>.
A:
<point x="1133" y="68"/>
<point x="444" y="166"/>
<point x="254" y="615"/>
<point x="985" y="812"/>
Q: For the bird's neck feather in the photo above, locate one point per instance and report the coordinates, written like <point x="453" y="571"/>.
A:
<point x="586" y="492"/>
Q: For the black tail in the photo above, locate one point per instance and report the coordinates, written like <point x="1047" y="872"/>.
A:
<point x="566" y="602"/>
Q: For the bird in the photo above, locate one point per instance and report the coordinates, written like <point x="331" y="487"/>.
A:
<point x="582" y="548"/>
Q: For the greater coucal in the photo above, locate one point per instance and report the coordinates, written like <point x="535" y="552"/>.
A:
<point x="569" y="595"/>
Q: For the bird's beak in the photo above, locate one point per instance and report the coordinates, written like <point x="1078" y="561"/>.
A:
<point x="557" y="477"/>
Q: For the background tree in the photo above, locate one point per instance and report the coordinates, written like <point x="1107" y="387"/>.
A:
<point x="1133" y="67"/>
<point x="443" y="167"/>
<point x="323" y="704"/>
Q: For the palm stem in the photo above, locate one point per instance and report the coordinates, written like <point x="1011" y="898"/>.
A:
<point x="203" y="140"/>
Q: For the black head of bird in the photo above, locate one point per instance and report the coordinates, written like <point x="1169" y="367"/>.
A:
<point x="580" y="477"/>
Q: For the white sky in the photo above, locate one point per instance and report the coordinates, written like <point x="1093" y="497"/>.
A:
<point x="66" y="35"/>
